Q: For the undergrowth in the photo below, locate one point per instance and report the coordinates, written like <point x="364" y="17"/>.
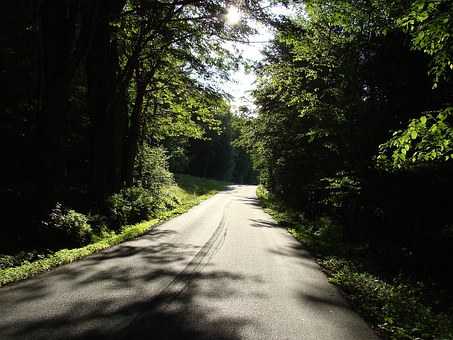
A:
<point x="176" y="199"/>
<point x="396" y="307"/>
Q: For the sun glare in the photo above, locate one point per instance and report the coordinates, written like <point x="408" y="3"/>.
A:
<point x="233" y="15"/>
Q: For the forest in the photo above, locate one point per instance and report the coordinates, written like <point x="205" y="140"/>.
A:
<point x="354" y="122"/>
<point x="106" y="103"/>
<point x="103" y="101"/>
<point x="353" y="144"/>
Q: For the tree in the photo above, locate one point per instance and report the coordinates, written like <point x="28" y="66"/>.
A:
<point x="92" y="84"/>
<point x="337" y="82"/>
<point x="429" y="137"/>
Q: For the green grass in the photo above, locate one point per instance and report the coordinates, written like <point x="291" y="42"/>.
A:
<point x="189" y="185"/>
<point x="396" y="308"/>
<point x="189" y="190"/>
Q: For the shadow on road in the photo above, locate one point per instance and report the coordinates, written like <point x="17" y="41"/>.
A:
<point x="150" y="288"/>
<point x="259" y="223"/>
<point x="107" y="300"/>
<point x="250" y="200"/>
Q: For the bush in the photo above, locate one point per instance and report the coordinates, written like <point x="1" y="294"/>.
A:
<point x="152" y="170"/>
<point x="68" y="226"/>
<point x="131" y="205"/>
<point x="148" y="196"/>
<point x="169" y="199"/>
<point x="22" y="257"/>
<point x="6" y="261"/>
<point x="396" y="308"/>
<point x="98" y="222"/>
<point x="104" y="238"/>
<point x="262" y="194"/>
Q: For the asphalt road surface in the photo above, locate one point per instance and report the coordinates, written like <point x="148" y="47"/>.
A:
<point x="224" y="270"/>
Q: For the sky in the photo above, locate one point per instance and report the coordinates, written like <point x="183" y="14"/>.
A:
<point x="242" y="83"/>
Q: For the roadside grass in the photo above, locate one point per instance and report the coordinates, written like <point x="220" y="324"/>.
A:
<point x="395" y="307"/>
<point x="189" y="191"/>
<point x="190" y="185"/>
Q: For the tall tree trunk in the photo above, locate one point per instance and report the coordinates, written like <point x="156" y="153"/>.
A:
<point x="64" y="37"/>
<point x="135" y="135"/>
<point x="55" y="34"/>
<point x="107" y="107"/>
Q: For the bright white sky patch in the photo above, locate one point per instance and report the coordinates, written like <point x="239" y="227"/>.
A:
<point x="242" y="82"/>
<point x="233" y="15"/>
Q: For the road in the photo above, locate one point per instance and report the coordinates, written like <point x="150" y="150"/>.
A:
<point x="224" y="270"/>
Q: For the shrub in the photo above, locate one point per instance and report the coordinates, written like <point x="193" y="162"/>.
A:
<point x="6" y="261"/>
<point x="152" y="170"/>
<point x="22" y="257"/>
<point x="148" y="196"/>
<point x="98" y="222"/>
<point x="131" y="205"/>
<point x="397" y="308"/>
<point x="169" y="199"/>
<point x="262" y="194"/>
<point x="68" y="226"/>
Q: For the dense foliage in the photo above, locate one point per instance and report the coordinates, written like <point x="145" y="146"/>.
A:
<point x="100" y="97"/>
<point x="353" y="140"/>
<point x="106" y="100"/>
<point x="397" y="308"/>
<point x="355" y="123"/>
<point x="188" y="191"/>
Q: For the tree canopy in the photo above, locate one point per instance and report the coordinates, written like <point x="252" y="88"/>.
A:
<point x="106" y="102"/>
<point x="354" y="122"/>
<point x="92" y="84"/>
